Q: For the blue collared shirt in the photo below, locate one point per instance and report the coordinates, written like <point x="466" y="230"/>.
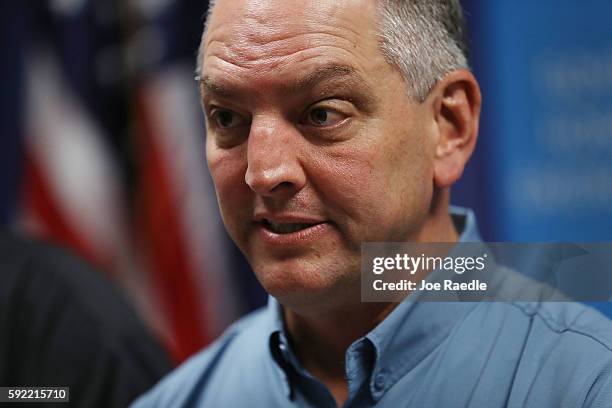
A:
<point x="424" y="354"/>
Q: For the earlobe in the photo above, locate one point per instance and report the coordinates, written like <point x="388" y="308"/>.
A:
<point x="457" y="113"/>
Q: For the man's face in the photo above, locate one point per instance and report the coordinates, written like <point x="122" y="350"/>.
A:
<point x="312" y="142"/>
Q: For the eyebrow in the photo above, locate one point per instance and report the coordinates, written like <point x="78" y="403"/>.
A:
<point x="326" y="73"/>
<point x="321" y="74"/>
<point x="208" y="85"/>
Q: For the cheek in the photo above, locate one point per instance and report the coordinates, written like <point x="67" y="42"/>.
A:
<point x="353" y="191"/>
<point x="227" y="169"/>
<point x="344" y="180"/>
<point x="227" y="166"/>
<point x="409" y="182"/>
<point x="379" y="191"/>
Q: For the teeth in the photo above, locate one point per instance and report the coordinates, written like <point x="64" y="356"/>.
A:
<point x="286" y="228"/>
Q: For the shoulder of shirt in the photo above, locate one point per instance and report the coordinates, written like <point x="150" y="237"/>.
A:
<point x="577" y="351"/>
<point x="184" y="383"/>
<point x="571" y="318"/>
<point x="559" y="318"/>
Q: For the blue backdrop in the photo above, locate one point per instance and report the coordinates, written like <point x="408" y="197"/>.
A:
<point x="543" y="167"/>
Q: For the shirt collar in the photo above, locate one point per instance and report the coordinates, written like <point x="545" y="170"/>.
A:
<point x="279" y="345"/>
<point x="402" y="340"/>
<point x="465" y="221"/>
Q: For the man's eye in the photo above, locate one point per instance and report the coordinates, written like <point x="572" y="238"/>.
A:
<point x="324" y="117"/>
<point x="227" y="119"/>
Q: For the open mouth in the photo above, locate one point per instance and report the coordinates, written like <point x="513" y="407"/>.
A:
<point x="285" y="228"/>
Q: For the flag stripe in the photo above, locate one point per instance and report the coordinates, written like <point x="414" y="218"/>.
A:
<point x="165" y="241"/>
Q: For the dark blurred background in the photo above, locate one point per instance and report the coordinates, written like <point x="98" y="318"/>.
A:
<point x="101" y="147"/>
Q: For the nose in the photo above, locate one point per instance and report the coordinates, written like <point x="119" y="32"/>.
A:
<point x="273" y="151"/>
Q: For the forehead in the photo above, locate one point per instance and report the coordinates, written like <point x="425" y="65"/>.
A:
<point x="249" y="39"/>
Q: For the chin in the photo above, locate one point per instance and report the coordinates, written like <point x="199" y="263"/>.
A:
<point x="289" y="275"/>
<point x="302" y="285"/>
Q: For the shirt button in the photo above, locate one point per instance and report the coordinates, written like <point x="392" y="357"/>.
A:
<point x="284" y="352"/>
<point x="379" y="381"/>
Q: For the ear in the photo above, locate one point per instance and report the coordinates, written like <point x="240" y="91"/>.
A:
<point x="456" y="103"/>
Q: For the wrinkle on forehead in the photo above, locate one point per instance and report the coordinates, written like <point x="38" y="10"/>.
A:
<point x="270" y="19"/>
<point x="294" y="50"/>
<point x="256" y="30"/>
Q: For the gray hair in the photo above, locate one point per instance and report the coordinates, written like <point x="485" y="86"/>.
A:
<point x="200" y="56"/>
<point x="424" y="39"/>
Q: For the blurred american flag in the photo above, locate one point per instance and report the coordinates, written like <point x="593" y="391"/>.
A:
<point x="113" y="164"/>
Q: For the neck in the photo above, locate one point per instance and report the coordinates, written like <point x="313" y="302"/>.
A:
<point x="321" y="339"/>
<point x="438" y="227"/>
